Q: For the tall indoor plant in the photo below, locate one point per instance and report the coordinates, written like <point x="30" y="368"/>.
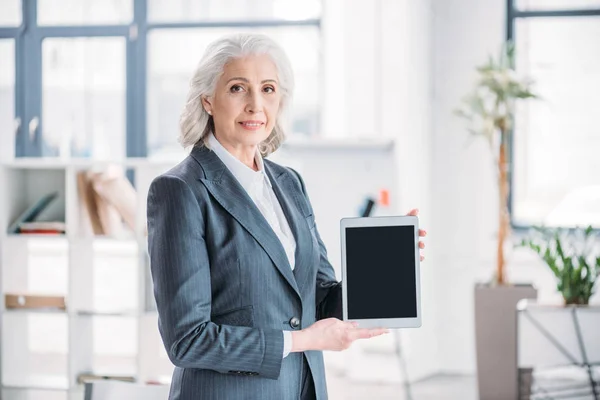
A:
<point x="489" y="109"/>
<point x="572" y="255"/>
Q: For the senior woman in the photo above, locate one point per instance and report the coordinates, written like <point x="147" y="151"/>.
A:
<point x="246" y="297"/>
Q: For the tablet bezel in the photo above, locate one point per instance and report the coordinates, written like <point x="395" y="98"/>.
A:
<point x="374" y="222"/>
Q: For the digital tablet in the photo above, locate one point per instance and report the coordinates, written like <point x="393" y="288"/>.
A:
<point x="381" y="272"/>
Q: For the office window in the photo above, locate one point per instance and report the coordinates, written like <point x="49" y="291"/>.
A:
<point x="7" y="89"/>
<point x="550" y="5"/>
<point x="84" y="12"/>
<point x="106" y="83"/>
<point x="556" y="179"/>
<point x="83" y="96"/>
<point x="232" y="10"/>
<point x="10" y="13"/>
<point x="173" y="55"/>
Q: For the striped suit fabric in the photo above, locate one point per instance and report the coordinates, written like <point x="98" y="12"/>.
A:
<point x="224" y="288"/>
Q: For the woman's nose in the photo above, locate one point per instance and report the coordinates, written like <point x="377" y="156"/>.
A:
<point x="254" y="104"/>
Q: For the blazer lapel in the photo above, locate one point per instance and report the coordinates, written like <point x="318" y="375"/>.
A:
<point x="228" y="192"/>
<point x="287" y="193"/>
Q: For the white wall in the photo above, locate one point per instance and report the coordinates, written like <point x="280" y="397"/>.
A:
<point x="406" y="113"/>
<point x="464" y="203"/>
<point x="463" y="191"/>
<point x="382" y="87"/>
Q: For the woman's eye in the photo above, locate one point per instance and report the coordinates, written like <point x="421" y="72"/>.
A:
<point x="269" y="89"/>
<point x="236" y="89"/>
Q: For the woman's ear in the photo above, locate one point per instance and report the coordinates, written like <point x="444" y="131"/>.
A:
<point x="206" y="104"/>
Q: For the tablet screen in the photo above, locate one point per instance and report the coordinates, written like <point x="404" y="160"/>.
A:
<point x="380" y="272"/>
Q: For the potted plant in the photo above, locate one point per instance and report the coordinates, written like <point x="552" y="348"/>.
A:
<point x="572" y="256"/>
<point x="489" y="109"/>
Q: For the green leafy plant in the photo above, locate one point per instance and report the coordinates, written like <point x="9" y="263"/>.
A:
<point x="572" y="255"/>
<point x="489" y="110"/>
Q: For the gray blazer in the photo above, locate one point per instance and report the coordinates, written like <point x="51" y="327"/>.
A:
<point x="224" y="287"/>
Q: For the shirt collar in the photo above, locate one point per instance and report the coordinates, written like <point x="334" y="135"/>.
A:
<point x="245" y="175"/>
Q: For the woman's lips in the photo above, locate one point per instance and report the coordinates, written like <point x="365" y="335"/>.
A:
<point x="252" y="125"/>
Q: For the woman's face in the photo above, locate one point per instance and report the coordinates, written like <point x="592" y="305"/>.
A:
<point x="245" y="104"/>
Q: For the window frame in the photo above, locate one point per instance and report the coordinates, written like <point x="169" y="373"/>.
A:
<point x="17" y="34"/>
<point x="512" y="15"/>
<point x="28" y="45"/>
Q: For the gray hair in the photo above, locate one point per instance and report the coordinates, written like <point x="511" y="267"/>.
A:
<point x="195" y="123"/>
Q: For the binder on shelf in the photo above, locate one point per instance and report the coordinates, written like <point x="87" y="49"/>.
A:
<point x="27" y="301"/>
<point x="88" y="204"/>
<point x="108" y="199"/>
<point x="114" y="188"/>
<point x="32" y="212"/>
<point x="42" y="227"/>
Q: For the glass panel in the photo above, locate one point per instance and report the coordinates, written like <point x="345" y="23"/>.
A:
<point x="83" y="98"/>
<point x="171" y="65"/>
<point x="7" y="97"/>
<point x="10" y="13"/>
<point x="227" y="10"/>
<point x="540" y="5"/>
<point x="84" y="12"/>
<point x="557" y="138"/>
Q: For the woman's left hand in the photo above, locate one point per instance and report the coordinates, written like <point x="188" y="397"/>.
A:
<point x="422" y="232"/>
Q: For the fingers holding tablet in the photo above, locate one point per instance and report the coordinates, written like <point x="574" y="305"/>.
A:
<point x="332" y="334"/>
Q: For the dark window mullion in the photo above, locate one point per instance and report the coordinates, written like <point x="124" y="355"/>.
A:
<point x="136" y="142"/>
<point x="512" y="14"/>
<point x="7" y="33"/>
<point x="30" y="146"/>
<point x="556" y="13"/>
<point x="234" y="24"/>
<point x="81" y="31"/>
<point x="19" y="94"/>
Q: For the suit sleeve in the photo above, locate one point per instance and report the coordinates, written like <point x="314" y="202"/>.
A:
<point x="180" y="270"/>
<point x="328" y="290"/>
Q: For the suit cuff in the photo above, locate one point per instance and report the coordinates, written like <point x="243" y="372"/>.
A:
<point x="287" y="343"/>
<point x="271" y="364"/>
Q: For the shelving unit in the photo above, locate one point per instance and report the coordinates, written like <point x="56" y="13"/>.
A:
<point x="109" y="326"/>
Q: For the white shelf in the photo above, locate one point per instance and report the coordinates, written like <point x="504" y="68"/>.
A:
<point x="105" y="328"/>
<point x="32" y="311"/>
<point x="26" y="393"/>
<point x="38" y="382"/>
<point x="84" y="163"/>
<point x="124" y="313"/>
<point x="30" y="236"/>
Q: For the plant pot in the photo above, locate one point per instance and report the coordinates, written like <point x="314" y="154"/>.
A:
<point x="496" y="338"/>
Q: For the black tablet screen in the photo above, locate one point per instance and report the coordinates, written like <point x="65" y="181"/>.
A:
<point x="380" y="272"/>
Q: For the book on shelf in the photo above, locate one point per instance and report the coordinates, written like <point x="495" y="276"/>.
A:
<point x="108" y="201"/>
<point x="28" y="301"/>
<point x="89" y="216"/>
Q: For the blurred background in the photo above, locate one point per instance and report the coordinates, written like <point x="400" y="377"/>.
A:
<point x="90" y="96"/>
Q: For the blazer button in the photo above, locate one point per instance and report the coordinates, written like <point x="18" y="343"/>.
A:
<point x="294" y="322"/>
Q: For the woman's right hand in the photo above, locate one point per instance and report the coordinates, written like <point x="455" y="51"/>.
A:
<point x="331" y="334"/>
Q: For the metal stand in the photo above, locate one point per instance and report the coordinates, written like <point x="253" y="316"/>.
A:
<point x="398" y="350"/>
<point x="533" y="390"/>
